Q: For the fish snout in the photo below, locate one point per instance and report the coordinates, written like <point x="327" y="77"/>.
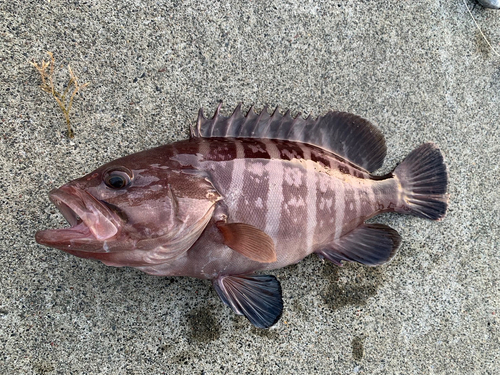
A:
<point x="91" y="221"/>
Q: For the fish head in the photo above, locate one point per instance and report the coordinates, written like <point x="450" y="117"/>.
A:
<point x="135" y="211"/>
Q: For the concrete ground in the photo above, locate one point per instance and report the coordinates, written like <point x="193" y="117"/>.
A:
<point x="420" y="70"/>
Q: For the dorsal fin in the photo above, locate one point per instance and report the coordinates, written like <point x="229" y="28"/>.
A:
<point x="345" y="134"/>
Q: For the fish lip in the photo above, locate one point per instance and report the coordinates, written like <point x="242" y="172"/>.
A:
<point x="91" y="221"/>
<point x="64" y="207"/>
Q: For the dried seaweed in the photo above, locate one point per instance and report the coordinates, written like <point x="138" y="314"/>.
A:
<point x="64" y="99"/>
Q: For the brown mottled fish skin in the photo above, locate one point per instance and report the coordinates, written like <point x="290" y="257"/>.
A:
<point x="299" y="195"/>
<point x="249" y="193"/>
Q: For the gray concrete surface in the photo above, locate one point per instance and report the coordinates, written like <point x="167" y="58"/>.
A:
<point x="420" y="70"/>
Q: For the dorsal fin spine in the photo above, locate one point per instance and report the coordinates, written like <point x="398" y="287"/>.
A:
<point x="196" y="130"/>
<point x="251" y="112"/>
<point x="264" y="113"/>
<point x="296" y="120"/>
<point x="217" y="110"/>
<point x="215" y="117"/>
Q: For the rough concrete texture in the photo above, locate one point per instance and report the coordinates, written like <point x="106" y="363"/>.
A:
<point x="420" y="70"/>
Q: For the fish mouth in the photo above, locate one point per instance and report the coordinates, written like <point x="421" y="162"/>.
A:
<point x="91" y="221"/>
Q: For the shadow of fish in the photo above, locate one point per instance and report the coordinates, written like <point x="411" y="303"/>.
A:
<point x="249" y="193"/>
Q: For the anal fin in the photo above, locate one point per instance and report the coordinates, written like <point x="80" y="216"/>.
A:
<point x="369" y="244"/>
<point x="248" y="241"/>
<point x="257" y="297"/>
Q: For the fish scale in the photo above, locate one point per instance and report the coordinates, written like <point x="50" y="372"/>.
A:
<point x="249" y="193"/>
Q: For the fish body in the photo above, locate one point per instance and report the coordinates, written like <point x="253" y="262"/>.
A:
<point x="301" y="197"/>
<point x="249" y="193"/>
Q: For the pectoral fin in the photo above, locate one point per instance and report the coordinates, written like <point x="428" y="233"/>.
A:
<point x="369" y="244"/>
<point x="248" y="241"/>
<point x="257" y="297"/>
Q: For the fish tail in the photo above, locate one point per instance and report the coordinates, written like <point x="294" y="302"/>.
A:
<point x="423" y="179"/>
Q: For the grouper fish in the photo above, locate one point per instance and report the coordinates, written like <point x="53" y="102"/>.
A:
<point x="247" y="193"/>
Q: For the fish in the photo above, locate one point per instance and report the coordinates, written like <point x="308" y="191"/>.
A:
<point x="246" y="194"/>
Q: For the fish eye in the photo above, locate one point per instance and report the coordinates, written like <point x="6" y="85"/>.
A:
<point x="117" y="178"/>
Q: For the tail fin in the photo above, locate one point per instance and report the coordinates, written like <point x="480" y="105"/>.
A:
<point x="424" y="180"/>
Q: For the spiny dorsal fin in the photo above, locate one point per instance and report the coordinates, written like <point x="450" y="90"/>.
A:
<point x="345" y="134"/>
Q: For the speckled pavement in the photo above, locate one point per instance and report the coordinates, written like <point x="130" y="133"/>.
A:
<point x="419" y="70"/>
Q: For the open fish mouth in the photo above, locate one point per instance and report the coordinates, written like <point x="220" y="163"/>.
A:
<point x="91" y="222"/>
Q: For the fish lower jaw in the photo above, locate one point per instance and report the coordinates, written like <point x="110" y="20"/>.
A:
<point x="64" y="236"/>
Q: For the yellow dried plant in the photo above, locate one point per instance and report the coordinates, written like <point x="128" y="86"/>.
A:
<point x="64" y="99"/>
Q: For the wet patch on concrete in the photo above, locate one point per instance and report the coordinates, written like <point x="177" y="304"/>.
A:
<point x="482" y="45"/>
<point x="358" y="350"/>
<point x="203" y="327"/>
<point x="183" y="358"/>
<point x="165" y="349"/>
<point x="43" y="368"/>
<point x="268" y="333"/>
<point x="239" y="321"/>
<point x="298" y="307"/>
<point x="351" y="284"/>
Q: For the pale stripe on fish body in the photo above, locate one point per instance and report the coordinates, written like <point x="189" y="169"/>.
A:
<point x="238" y="170"/>
<point x="274" y="199"/>
<point x="312" y="205"/>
